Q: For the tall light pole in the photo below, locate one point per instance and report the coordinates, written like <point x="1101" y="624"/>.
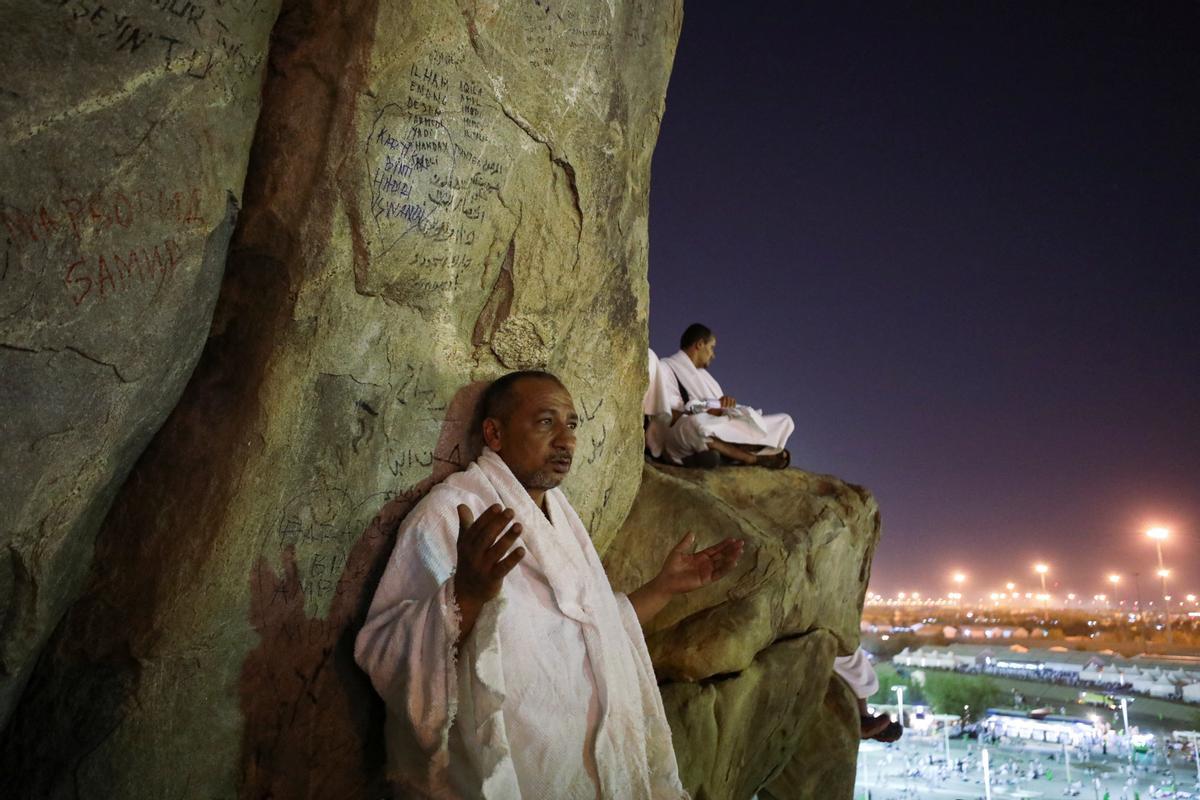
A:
<point x="1159" y="535"/>
<point x="1041" y="570"/>
<point x="1137" y="588"/>
<point x="1115" y="580"/>
<point x="959" y="579"/>
<point x="899" y="690"/>
<point x="987" y="776"/>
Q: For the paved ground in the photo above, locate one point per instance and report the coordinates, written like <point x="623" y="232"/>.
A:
<point x="915" y="768"/>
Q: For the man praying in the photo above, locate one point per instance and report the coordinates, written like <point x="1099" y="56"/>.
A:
<point x="705" y="419"/>
<point x="509" y="667"/>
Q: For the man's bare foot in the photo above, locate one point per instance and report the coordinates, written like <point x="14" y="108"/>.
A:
<point x="870" y="726"/>
<point x="891" y="733"/>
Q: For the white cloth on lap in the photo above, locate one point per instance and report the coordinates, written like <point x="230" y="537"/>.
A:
<point x="552" y="695"/>
<point x="754" y="428"/>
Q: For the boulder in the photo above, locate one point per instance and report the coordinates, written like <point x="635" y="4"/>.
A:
<point x="438" y="193"/>
<point x="825" y="759"/>
<point x="124" y="132"/>
<point x="745" y="664"/>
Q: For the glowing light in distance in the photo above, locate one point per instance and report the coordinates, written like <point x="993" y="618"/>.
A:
<point x="1158" y="533"/>
<point x="1164" y="573"/>
<point x="1010" y="586"/>
<point x="1114" y="579"/>
<point x="1041" y="569"/>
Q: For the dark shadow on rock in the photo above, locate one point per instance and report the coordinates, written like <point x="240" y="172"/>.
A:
<point x="313" y="723"/>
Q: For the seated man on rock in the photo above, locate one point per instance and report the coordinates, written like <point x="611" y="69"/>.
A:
<point x="682" y="383"/>
<point x="859" y="674"/>
<point x="509" y="667"/>
<point x="740" y="434"/>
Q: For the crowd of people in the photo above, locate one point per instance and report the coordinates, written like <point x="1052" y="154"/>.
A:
<point x="508" y="666"/>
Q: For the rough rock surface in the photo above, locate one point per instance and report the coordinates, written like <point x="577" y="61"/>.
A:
<point x="124" y="133"/>
<point x="745" y="664"/>
<point x="438" y="192"/>
<point x="826" y="756"/>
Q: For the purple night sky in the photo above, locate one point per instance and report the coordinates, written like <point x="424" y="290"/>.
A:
<point x="958" y="242"/>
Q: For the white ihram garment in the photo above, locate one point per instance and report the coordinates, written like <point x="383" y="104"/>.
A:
<point x="552" y="695"/>
<point x="662" y="394"/>
<point x="748" y="426"/>
<point x="856" y="670"/>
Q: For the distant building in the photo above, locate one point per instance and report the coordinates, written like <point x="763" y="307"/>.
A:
<point x="1002" y="722"/>
<point x="1155" y="676"/>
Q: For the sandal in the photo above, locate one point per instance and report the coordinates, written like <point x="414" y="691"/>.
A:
<point x="780" y="460"/>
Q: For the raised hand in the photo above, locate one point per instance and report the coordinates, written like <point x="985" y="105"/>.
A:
<point x="685" y="571"/>
<point x="482" y="563"/>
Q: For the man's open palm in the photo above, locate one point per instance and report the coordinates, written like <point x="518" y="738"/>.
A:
<point x="685" y="571"/>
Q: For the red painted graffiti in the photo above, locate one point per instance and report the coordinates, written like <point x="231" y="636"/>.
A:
<point x="98" y="276"/>
<point x="100" y="212"/>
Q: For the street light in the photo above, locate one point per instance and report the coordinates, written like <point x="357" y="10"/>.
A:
<point x="1041" y="570"/>
<point x="899" y="690"/>
<point x="959" y="579"/>
<point x="1159" y="535"/>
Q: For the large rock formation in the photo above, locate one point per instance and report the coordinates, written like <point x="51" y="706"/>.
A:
<point x="438" y="193"/>
<point x="124" y="134"/>
<point x="747" y="662"/>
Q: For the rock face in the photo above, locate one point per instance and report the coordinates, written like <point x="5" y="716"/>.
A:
<point x="747" y="662"/>
<point x="124" y="135"/>
<point x="825" y="756"/>
<point x="437" y="193"/>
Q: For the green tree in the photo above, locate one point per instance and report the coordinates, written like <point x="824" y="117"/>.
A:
<point x="948" y="693"/>
<point x="887" y="679"/>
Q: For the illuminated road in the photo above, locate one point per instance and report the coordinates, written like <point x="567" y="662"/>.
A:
<point x="905" y="771"/>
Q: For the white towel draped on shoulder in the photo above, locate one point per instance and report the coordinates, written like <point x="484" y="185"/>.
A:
<point x="552" y="694"/>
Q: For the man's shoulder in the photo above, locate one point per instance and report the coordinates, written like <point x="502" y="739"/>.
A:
<point x="442" y="501"/>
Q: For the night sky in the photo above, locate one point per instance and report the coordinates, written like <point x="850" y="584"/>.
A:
<point x="959" y="243"/>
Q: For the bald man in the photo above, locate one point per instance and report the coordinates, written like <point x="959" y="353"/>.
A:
<point x="509" y="667"/>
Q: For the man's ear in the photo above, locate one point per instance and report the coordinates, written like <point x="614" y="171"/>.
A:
<point x="491" y="433"/>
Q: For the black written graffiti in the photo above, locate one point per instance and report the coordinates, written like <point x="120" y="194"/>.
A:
<point x="408" y="459"/>
<point x="129" y="34"/>
<point x="598" y="444"/>
<point x="589" y="414"/>
<point x="455" y="261"/>
<point x="327" y="520"/>
<point x="424" y="459"/>
<point x="413" y="388"/>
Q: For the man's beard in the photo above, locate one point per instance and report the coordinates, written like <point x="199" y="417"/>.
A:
<point x="542" y="479"/>
<point x="547" y="477"/>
